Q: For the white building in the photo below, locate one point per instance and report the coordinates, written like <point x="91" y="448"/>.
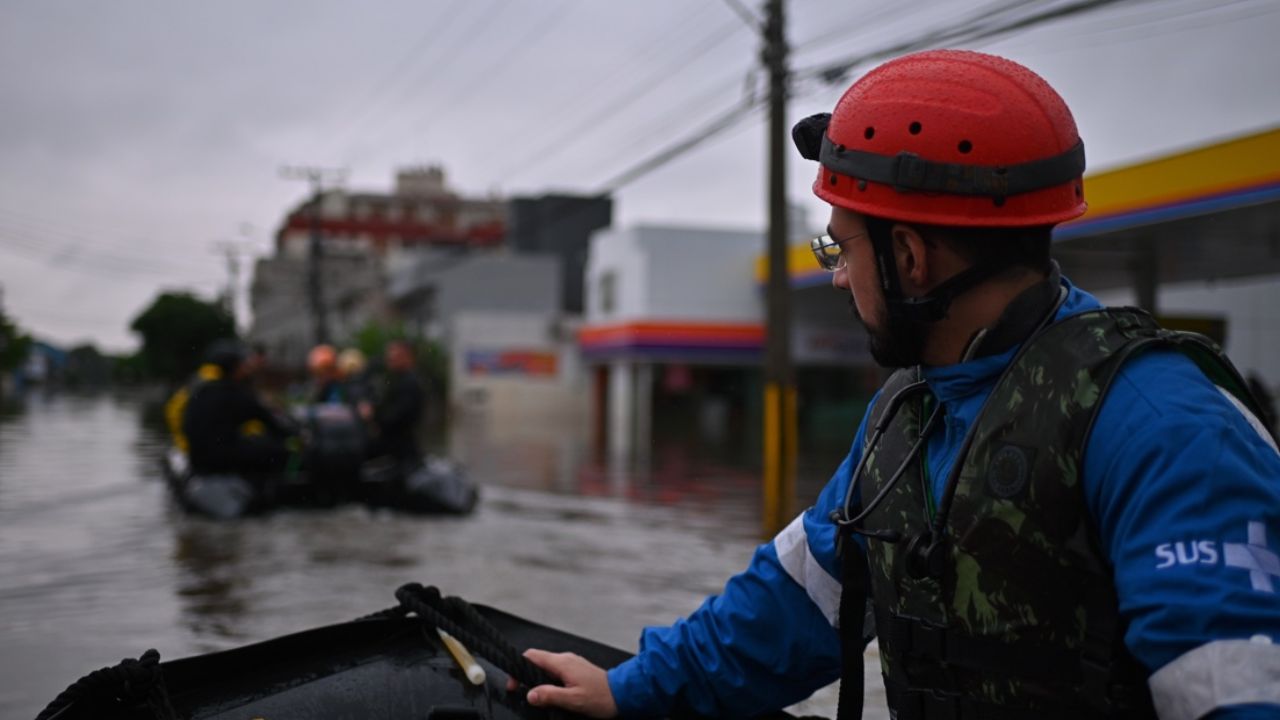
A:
<point x="674" y="330"/>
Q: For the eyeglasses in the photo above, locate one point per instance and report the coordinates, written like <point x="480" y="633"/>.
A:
<point x="829" y="250"/>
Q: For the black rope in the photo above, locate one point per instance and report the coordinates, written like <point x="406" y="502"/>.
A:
<point x="456" y="617"/>
<point x="126" y="684"/>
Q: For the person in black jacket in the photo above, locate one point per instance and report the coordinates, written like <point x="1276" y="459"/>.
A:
<point x="229" y="430"/>
<point x="398" y="408"/>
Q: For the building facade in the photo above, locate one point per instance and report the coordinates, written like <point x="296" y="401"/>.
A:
<point x="673" y="339"/>
<point x="349" y="244"/>
<point x="560" y="226"/>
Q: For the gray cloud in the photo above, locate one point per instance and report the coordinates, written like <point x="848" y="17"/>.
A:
<point x="149" y="129"/>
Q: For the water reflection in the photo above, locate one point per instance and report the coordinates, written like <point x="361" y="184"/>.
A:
<point x="96" y="562"/>
<point x="212" y="587"/>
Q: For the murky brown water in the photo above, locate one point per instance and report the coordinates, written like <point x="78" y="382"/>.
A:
<point x="96" y="563"/>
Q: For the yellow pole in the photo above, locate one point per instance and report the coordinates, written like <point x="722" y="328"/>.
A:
<point x="772" y="461"/>
<point x="790" y="449"/>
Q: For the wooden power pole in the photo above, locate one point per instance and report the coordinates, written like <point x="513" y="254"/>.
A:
<point x="780" y="427"/>
<point x="315" y="256"/>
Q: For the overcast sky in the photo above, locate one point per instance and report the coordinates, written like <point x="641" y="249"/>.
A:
<point x="137" y="134"/>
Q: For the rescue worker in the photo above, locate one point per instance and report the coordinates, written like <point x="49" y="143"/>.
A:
<point x="322" y="365"/>
<point x="176" y="406"/>
<point x="398" y="409"/>
<point x="1007" y="572"/>
<point x="217" y="414"/>
<point x="351" y="373"/>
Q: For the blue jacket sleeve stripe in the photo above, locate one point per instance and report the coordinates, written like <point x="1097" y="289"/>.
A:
<point x="1253" y="420"/>
<point x="792" y="545"/>
<point x="758" y="646"/>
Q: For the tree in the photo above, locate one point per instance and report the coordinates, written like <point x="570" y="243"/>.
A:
<point x="176" y="329"/>
<point x="15" y="345"/>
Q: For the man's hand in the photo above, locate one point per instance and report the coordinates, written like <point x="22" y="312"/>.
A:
<point x="586" y="687"/>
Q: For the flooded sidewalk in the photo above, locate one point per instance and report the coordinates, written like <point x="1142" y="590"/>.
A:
<point x="97" y="564"/>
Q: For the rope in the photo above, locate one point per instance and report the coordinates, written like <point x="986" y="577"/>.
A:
<point x="456" y="617"/>
<point x="128" y="683"/>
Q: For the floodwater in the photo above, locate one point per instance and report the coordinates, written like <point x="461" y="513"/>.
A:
<point x="97" y="564"/>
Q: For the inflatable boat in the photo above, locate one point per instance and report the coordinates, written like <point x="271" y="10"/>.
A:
<point x="432" y="485"/>
<point x="394" y="664"/>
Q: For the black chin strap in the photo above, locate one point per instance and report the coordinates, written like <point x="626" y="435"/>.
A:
<point x="931" y="307"/>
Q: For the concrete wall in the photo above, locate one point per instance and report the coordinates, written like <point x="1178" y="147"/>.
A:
<point x="515" y="397"/>
<point x="674" y="273"/>
<point x="431" y="292"/>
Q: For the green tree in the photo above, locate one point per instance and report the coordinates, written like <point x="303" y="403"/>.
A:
<point x="15" y="345"/>
<point x="176" y="329"/>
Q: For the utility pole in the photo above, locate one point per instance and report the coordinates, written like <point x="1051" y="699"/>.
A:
<point x="780" y="427"/>
<point x="233" y="251"/>
<point x="315" y="255"/>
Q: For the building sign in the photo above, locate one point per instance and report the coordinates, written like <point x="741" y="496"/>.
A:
<point x="528" y="363"/>
<point x="829" y="345"/>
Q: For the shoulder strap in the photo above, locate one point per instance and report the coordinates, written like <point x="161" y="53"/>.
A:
<point x="1205" y="353"/>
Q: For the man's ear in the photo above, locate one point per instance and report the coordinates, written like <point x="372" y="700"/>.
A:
<point x="911" y="253"/>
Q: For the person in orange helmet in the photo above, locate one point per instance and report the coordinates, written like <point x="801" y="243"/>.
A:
<point x="1005" y="571"/>
<point x="322" y="366"/>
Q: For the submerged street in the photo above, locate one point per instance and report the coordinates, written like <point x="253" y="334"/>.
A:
<point x="96" y="563"/>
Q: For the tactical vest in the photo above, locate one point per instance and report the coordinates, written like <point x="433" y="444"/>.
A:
<point x="999" y="602"/>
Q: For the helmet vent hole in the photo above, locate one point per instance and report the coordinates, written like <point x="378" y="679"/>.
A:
<point x="965" y="146"/>
<point x="1079" y="190"/>
<point x="998" y="201"/>
<point x="915" y="128"/>
<point x="834" y="179"/>
<point x="862" y="184"/>
<point x="869" y="133"/>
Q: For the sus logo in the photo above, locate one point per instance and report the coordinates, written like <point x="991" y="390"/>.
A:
<point x="1196" y="552"/>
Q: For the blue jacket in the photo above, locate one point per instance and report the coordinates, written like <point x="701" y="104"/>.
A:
<point x="1184" y="492"/>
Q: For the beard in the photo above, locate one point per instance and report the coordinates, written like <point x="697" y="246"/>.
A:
<point x="898" y="342"/>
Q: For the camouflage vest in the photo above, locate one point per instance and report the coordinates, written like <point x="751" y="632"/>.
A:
<point x="999" y="603"/>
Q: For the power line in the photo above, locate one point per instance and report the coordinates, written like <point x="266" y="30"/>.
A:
<point x="719" y="124"/>
<point x="363" y="109"/>
<point x="640" y="58"/>
<point x="745" y="13"/>
<point x="632" y="95"/>
<point x="75" y="237"/>
<point x="1152" y="27"/>
<point x="990" y="22"/>
<point x="523" y="44"/>
<point x="693" y="105"/>
<point x="484" y="19"/>
<point x="871" y="21"/>
<point x="78" y="260"/>
<point x="985" y="24"/>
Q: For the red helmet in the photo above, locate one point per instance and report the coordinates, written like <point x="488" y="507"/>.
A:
<point x="949" y="137"/>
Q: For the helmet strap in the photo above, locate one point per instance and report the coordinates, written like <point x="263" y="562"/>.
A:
<point x="933" y="306"/>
